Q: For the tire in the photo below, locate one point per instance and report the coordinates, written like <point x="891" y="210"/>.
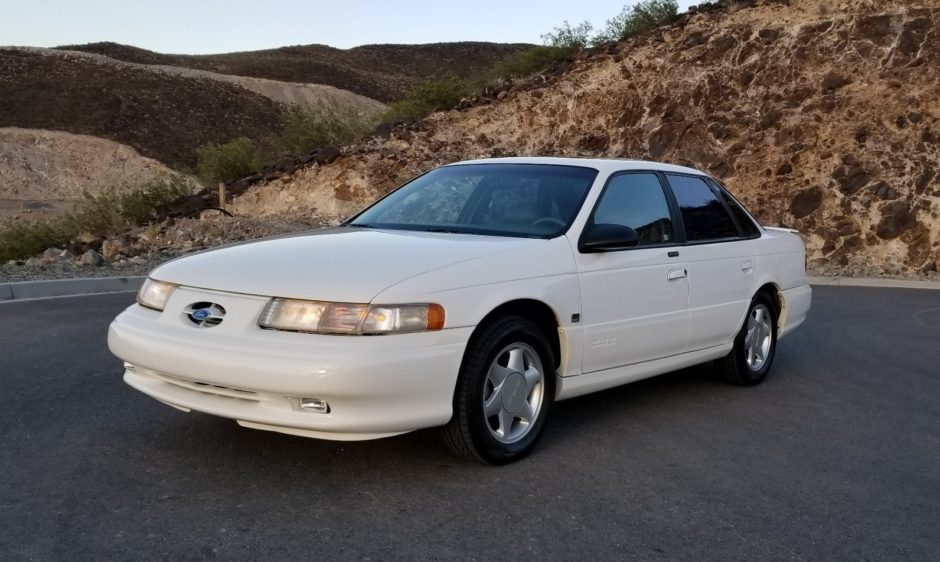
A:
<point x="505" y="390"/>
<point x="748" y="365"/>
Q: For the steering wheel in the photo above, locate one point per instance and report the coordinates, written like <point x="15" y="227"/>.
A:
<point x="549" y="221"/>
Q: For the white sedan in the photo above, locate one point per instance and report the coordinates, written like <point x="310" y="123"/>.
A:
<point x="473" y="297"/>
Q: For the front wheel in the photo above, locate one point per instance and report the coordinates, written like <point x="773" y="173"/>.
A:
<point x="754" y="346"/>
<point x="504" y="392"/>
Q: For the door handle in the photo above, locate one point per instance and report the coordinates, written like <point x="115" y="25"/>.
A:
<point x="747" y="266"/>
<point x="676" y="274"/>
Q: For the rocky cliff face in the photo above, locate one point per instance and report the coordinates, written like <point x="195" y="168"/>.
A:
<point x="823" y="116"/>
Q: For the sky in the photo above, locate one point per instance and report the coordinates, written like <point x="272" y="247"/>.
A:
<point x="218" y="26"/>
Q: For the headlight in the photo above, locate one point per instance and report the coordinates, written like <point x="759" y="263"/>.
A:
<point x="154" y="294"/>
<point x="342" y="318"/>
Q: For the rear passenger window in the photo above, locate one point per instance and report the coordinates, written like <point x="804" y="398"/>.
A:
<point x="703" y="214"/>
<point x="637" y="201"/>
<point x="748" y="228"/>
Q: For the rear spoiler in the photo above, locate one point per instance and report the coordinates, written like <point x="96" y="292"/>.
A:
<point x="782" y="229"/>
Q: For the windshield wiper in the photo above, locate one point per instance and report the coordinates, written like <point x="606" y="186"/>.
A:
<point x="439" y="229"/>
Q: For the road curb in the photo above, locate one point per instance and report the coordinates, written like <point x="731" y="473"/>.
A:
<point x="874" y="282"/>
<point x="68" y="287"/>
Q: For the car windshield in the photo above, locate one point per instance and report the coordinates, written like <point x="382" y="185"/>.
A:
<point x="530" y="200"/>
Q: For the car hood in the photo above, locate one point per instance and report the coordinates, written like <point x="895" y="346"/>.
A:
<point x="337" y="264"/>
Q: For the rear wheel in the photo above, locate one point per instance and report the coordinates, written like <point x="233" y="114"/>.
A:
<point x="504" y="392"/>
<point x="754" y="346"/>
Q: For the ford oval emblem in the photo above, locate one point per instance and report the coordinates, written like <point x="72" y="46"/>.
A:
<point x="205" y="314"/>
<point x="201" y="314"/>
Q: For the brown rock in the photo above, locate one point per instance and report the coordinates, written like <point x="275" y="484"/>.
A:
<point x="923" y="180"/>
<point x="851" y="177"/>
<point x="91" y="257"/>
<point x="832" y="81"/>
<point x="861" y="135"/>
<point x="896" y="218"/>
<point x="594" y="142"/>
<point x="918" y="249"/>
<point x="885" y="191"/>
<point x="327" y="155"/>
<point x="806" y="202"/>
<point x="785" y="169"/>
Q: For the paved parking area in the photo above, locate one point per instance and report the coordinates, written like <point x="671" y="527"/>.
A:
<point x="836" y="456"/>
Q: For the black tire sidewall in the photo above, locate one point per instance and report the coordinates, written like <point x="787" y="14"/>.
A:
<point x="511" y="331"/>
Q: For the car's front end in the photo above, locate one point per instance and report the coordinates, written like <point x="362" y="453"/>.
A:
<point x="210" y="351"/>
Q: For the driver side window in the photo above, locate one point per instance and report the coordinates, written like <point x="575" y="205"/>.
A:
<point x="637" y="201"/>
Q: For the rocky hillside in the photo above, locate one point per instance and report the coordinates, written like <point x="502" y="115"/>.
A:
<point x="823" y="116"/>
<point x="381" y="72"/>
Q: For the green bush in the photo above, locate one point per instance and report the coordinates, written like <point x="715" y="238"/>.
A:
<point x="109" y="212"/>
<point x="525" y="63"/>
<point x="644" y="16"/>
<point x="21" y="241"/>
<point x="227" y="162"/>
<point x="570" y="38"/>
<point x="431" y="95"/>
<point x="306" y="130"/>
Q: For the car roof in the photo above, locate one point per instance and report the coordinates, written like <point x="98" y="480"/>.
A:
<point x="607" y="165"/>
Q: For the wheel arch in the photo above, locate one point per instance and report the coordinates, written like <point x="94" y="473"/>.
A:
<point x="773" y="291"/>
<point x="541" y="314"/>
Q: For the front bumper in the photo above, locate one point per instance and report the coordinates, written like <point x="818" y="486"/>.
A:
<point x="376" y="386"/>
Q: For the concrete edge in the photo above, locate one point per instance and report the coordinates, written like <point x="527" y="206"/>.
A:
<point x="68" y="287"/>
<point x="877" y="282"/>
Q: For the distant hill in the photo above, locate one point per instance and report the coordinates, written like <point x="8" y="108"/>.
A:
<point x="381" y="72"/>
<point x="161" y="115"/>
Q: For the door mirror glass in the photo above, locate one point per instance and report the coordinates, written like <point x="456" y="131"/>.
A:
<point x="608" y="238"/>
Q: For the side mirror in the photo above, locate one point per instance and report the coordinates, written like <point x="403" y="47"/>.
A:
<point x="608" y="238"/>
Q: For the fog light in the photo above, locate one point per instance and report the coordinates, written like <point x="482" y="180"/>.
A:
<point x="314" y="405"/>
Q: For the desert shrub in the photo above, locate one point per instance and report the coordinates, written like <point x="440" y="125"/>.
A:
<point x="431" y="95"/>
<point x="114" y="210"/>
<point x="526" y="63"/>
<point x="308" y="129"/>
<point x="24" y="240"/>
<point x="643" y="16"/>
<point x="108" y="212"/>
<point x="570" y="38"/>
<point x="226" y="162"/>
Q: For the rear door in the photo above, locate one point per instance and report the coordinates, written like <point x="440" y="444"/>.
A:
<point x="720" y="258"/>
<point x="634" y="302"/>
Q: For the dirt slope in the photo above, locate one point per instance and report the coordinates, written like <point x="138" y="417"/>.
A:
<point x="42" y="168"/>
<point x="823" y="116"/>
<point x="382" y="72"/>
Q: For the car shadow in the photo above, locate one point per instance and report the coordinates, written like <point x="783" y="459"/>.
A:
<point x="588" y="417"/>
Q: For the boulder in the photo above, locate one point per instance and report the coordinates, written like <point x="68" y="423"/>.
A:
<point x="896" y="218"/>
<point x="806" y="202"/>
<point x="91" y="257"/>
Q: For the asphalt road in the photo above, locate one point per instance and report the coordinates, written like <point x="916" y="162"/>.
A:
<point x="835" y="457"/>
